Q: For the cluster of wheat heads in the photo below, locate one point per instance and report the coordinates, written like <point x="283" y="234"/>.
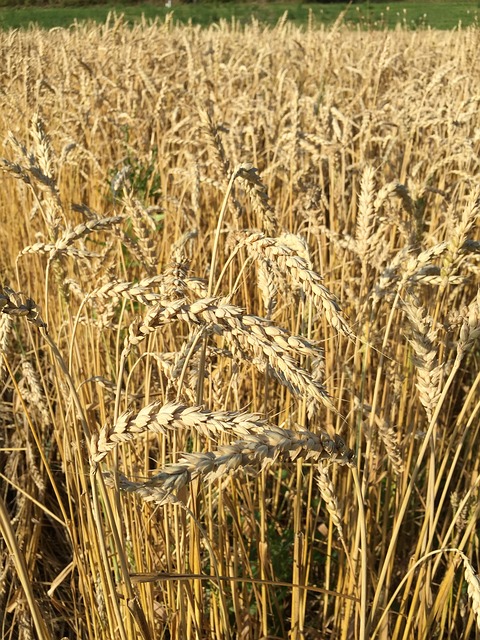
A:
<point x="192" y="343"/>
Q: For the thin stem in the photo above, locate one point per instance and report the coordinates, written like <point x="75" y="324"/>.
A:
<point x="364" y="623"/>
<point x="409" y="490"/>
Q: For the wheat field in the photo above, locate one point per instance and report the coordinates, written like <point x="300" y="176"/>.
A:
<point x="240" y="385"/>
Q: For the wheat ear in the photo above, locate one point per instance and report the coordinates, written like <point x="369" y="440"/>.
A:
<point x="254" y="452"/>
<point x="423" y="341"/>
<point x="327" y="491"/>
<point x="473" y="587"/>
<point x="257" y="338"/>
<point x="301" y="275"/>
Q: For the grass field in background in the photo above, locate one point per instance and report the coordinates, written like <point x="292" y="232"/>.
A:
<point x="438" y="15"/>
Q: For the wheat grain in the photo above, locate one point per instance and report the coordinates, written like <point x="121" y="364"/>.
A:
<point x="129" y="291"/>
<point x="63" y="245"/>
<point x="424" y="340"/>
<point x="470" y="329"/>
<point x="458" y="234"/>
<point x="256" y="450"/>
<point x="256" y="338"/>
<point x="144" y="228"/>
<point x="298" y="269"/>
<point x="35" y="394"/>
<point x="327" y="492"/>
<point x="17" y="304"/>
<point x="257" y="191"/>
<point x="365" y="218"/>
<point x="473" y="587"/>
<point x="6" y="324"/>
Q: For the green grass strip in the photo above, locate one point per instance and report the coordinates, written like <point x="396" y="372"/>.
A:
<point x="378" y="15"/>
